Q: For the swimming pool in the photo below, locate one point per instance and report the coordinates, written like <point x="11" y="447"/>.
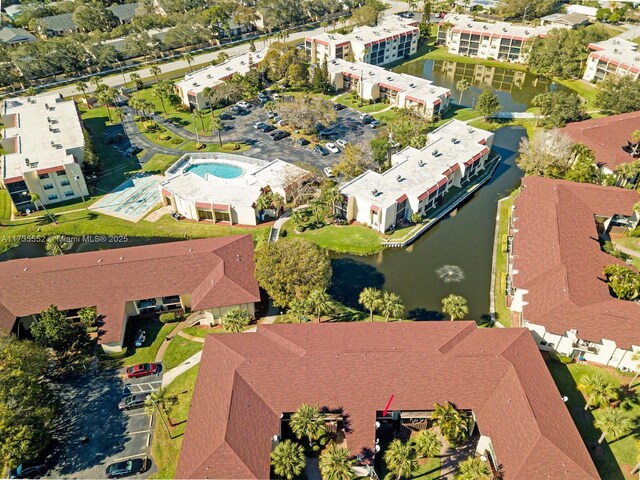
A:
<point x="220" y="170"/>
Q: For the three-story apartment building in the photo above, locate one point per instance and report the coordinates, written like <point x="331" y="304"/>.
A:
<point x="615" y="56"/>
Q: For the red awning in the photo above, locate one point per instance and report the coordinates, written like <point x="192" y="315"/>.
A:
<point x="203" y="205"/>
<point x="423" y="196"/>
<point x="442" y="182"/>
<point x="437" y="102"/>
<point x="484" y="151"/>
<point x="42" y="171"/>
<point x="447" y="172"/>
<point x="375" y="208"/>
<point x="483" y="142"/>
<point x="455" y="167"/>
<point x="167" y="193"/>
<point x="401" y="198"/>
<point x="432" y="189"/>
<point x="322" y="42"/>
<point x="13" y="180"/>
<point x="220" y="206"/>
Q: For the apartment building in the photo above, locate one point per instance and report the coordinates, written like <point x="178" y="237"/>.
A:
<point x="497" y="41"/>
<point x="43" y="140"/>
<point x="418" y="179"/>
<point x="401" y="90"/>
<point x="614" y="56"/>
<point x="393" y="39"/>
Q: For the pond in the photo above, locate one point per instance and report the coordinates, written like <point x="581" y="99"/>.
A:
<point x="515" y="89"/>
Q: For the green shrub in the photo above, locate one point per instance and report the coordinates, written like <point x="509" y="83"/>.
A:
<point x="283" y="233"/>
<point x="301" y="228"/>
<point x="200" y="146"/>
<point x="635" y="233"/>
<point x="565" y="359"/>
<point x="416" y="217"/>
<point x="164" y="138"/>
<point x="231" y="146"/>
<point x="176" y="141"/>
<point x="92" y="329"/>
<point x="168" y="317"/>
<point x="505" y="243"/>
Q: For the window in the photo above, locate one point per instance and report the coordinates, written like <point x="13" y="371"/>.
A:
<point x="64" y="183"/>
<point x="61" y="173"/>
<point x="68" y="193"/>
<point x="43" y="176"/>
<point x="52" y="197"/>
<point x="47" y="186"/>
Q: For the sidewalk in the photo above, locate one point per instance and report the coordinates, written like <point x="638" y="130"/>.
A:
<point x="176" y="331"/>
<point x="175" y="372"/>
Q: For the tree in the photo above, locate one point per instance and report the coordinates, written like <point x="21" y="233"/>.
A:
<point x="155" y="71"/>
<point x="106" y="96"/>
<point x="297" y="310"/>
<point x="356" y="160"/>
<point x="583" y="169"/>
<point x="88" y="316"/>
<point x="319" y="302"/>
<point x="216" y="126"/>
<point x="292" y="268"/>
<point x="155" y="400"/>
<point x="54" y="330"/>
<point x="135" y="78"/>
<point x="57" y="244"/>
<point x="618" y="94"/>
<point x="473" y="468"/>
<point x="82" y="88"/>
<point x="307" y="421"/>
<point x="455" y="306"/>
<point x="453" y="424"/>
<point x="371" y="299"/>
<point x="187" y="57"/>
<point x="409" y="128"/>
<point x="94" y="16"/>
<point x="613" y="421"/>
<point x="559" y="108"/>
<point x="400" y="459"/>
<point x="462" y="85"/>
<point x="426" y="444"/>
<point x="488" y="103"/>
<point x="629" y="172"/>
<point x="287" y="459"/>
<point x="235" y="320"/>
<point x="529" y="8"/>
<point x="321" y="82"/>
<point x="35" y="199"/>
<point x="548" y="154"/>
<point x="391" y="305"/>
<point x="366" y="15"/>
<point x="298" y="74"/>
<point x="623" y="281"/>
<point x="598" y="389"/>
<point x="305" y="112"/>
<point x="335" y="464"/>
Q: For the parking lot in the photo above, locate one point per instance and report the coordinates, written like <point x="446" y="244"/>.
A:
<point x="93" y="432"/>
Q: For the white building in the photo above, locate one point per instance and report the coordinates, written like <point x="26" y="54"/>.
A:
<point x="190" y="89"/>
<point x="614" y="56"/>
<point x="225" y="187"/>
<point x="394" y="38"/>
<point x="418" y="178"/>
<point x="497" y="41"/>
<point x="590" y="12"/>
<point x="44" y="144"/>
<point x="402" y="90"/>
<point x="564" y="20"/>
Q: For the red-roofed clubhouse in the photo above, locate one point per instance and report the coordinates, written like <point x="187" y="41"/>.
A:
<point x="210" y="275"/>
<point x="249" y="383"/>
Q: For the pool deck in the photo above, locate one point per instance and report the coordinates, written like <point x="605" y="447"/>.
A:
<point x="131" y="200"/>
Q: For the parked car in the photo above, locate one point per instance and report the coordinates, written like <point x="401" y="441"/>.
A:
<point x="132" y="150"/>
<point x="342" y="143"/>
<point x="134" y="466"/>
<point x="142" y="370"/>
<point x="263" y="97"/>
<point x="405" y="14"/>
<point x="133" y="401"/>
<point x="329" y="172"/>
<point x="366" y="119"/>
<point x="27" y="471"/>
<point x="375" y="124"/>
<point x="235" y="109"/>
<point x="225" y="116"/>
<point x="282" y="123"/>
<point x="268" y="128"/>
<point x="114" y="139"/>
<point x="279" y="135"/>
<point x="303" y="141"/>
<point x="276" y="96"/>
<point x="339" y="106"/>
<point x="141" y="336"/>
<point x="243" y="104"/>
<point x="320" y="150"/>
<point x="271" y="114"/>
<point x="259" y="125"/>
<point x="332" y="148"/>
<point x="327" y="132"/>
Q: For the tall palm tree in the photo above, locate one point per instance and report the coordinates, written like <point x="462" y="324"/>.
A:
<point x="598" y="389"/>
<point x="453" y="424"/>
<point x="160" y="93"/>
<point x="82" y="88"/>
<point x="335" y="464"/>
<point x="106" y="97"/>
<point x="208" y="94"/>
<point x="288" y="459"/>
<point x="400" y="459"/>
<point x="320" y="303"/>
<point x="426" y="444"/>
<point x="235" y="320"/>
<point x="155" y="71"/>
<point x="370" y="298"/>
<point x="96" y="82"/>
<point x="462" y="85"/>
<point x="216" y="126"/>
<point x="57" y="245"/>
<point x="455" y="306"/>
<point x="297" y="308"/>
<point x="332" y="196"/>
<point x="391" y="305"/>
<point x="156" y="399"/>
<point x="187" y="57"/>
<point x="613" y="421"/>
<point x="36" y="198"/>
<point x="473" y="468"/>
<point x="308" y="422"/>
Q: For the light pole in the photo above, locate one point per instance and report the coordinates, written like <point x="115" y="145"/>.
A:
<point x="195" y="124"/>
<point x="473" y="103"/>
<point x="77" y="179"/>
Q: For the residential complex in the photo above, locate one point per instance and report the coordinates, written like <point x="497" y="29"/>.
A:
<point x="418" y="179"/>
<point x="613" y="56"/>
<point x="249" y="385"/>
<point x="225" y="188"/>
<point x="564" y="20"/>
<point x="43" y="140"/>
<point x="401" y="90"/>
<point x="556" y="280"/>
<point x="391" y="40"/>
<point x="211" y="275"/>
<point x="191" y="88"/>
<point x="15" y="36"/>
<point x="498" y="41"/>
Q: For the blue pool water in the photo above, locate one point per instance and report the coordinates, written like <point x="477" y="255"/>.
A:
<point x="221" y="170"/>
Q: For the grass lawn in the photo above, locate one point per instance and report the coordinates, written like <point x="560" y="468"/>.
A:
<point x="585" y="89"/>
<point x="349" y="100"/>
<point x="618" y="456"/>
<point x="179" y="350"/>
<point x="202" y="331"/>
<point x="159" y="163"/>
<point x="353" y="239"/>
<point x="500" y="299"/>
<point x="633" y="244"/>
<point x="429" y="469"/>
<point x="156" y="331"/>
<point x="5" y="205"/>
<point x="494" y="124"/>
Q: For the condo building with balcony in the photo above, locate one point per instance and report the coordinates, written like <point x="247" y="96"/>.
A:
<point x="43" y="140"/>
<point x="401" y="90"/>
<point x="615" y="56"/>
<point x="497" y="41"/>
<point x="393" y="39"/>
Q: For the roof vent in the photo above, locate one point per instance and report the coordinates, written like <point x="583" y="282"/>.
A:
<point x="99" y="260"/>
<point x="121" y="258"/>
<point x="504" y="29"/>
<point x="374" y="192"/>
<point x="485" y="27"/>
<point x="454" y="140"/>
<point x="399" y="178"/>
<point x="434" y="153"/>
<point x="470" y="130"/>
<point x="191" y="249"/>
<point x="25" y="269"/>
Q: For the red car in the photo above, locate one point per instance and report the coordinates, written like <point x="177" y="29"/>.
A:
<point x="142" y="370"/>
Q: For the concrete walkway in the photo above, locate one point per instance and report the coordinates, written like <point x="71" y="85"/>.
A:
<point x="191" y="337"/>
<point x="191" y="319"/>
<point x="626" y="250"/>
<point x="159" y="213"/>
<point x="175" y="372"/>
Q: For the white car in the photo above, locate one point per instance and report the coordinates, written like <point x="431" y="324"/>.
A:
<point x="276" y="96"/>
<point x="243" y="104"/>
<point x="332" y="148"/>
<point x="328" y="172"/>
<point x="342" y="143"/>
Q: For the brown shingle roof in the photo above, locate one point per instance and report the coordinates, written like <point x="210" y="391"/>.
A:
<point x="559" y="261"/>
<point x="606" y="136"/>
<point x="246" y="381"/>
<point x="216" y="271"/>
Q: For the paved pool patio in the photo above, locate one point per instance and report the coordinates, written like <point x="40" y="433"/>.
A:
<point x="131" y="200"/>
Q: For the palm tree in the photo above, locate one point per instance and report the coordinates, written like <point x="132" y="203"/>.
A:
<point x="56" y="245"/>
<point x="426" y="444"/>
<point x="187" y="57"/>
<point x="400" y="459"/>
<point x="335" y="464"/>
<point x="82" y="88"/>
<point x="308" y="422"/>
<point x="453" y="424"/>
<point x="216" y="126"/>
<point x="208" y="93"/>
<point x="320" y="303"/>
<point x="371" y="299"/>
<point x="36" y="198"/>
<point x="332" y="196"/>
<point x="455" y="306"/>
<point x="160" y="93"/>
<point x="96" y="81"/>
<point x="155" y="71"/>
<point x="31" y="92"/>
<point x="106" y="97"/>
<point x="636" y="355"/>
<point x="200" y="116"/>
<point x="473" y="468"/>
<point x="462" y="86"/>
<point x="613" y="421"/>
<point x="288" y="459"/>
<point x="235" y="320"/>
<point x="637" y="466"/>
<point x="391" y="305"/>
<point x="598" y="389"/>
<point x="297" y="308"/>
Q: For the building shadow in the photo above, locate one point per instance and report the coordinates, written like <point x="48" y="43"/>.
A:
<point x="350" y="277"/>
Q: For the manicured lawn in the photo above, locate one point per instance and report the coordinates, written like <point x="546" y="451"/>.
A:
<point x="500" y="299"/>
<point x="5" y="205"/>
<point x="585" y="89"/>
<point x="491" y="125"/>
<point x="429" y="469"/>
<point x="159" y="163"/>
<point x="156" y="332"/>
<point x="202" y="331"/>
<point x="633" y="244"/>
<point x="354" y="239"/>
<point x="618" y="456"/>
<point x="179" y="350"/>
<point x="349" y="100"/>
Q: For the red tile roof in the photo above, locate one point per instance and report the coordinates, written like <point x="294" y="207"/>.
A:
<point x="606" y="136"/>
<point x="215" y="271"/>
<point x="246" y="381"/>
<point x="559" y="261"/>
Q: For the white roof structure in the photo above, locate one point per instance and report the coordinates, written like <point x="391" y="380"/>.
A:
<point x="466" y="24"/>
<point x="391" y="26"/>
<point x="39" y="132"/>
<point x="624" y="52"/>
<point x="414" y="169"/>
<point x="589" y="11"/>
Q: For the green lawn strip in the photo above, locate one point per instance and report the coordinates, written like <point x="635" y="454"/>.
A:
<point x="159" y="163"/>
<point x="582" y="88"/>
<point x="179" y="350"/>
<point x="632" y="244"/>
<point x="202" y="331"/>
<point x="619" y="455"/>
<point x="161" y="136"/>
<point x="503" y="315"/>
<point x="214" y="147"/>
<point x="494" y="124"/>
<point x="5" y="205"/>
<point x="353" y="239"/>
<point x="155" y="332"/>
<point x="349" y="100"/>
<point x="428" y="469"/>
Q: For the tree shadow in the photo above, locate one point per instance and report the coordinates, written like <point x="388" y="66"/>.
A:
<point x="350" y="277"/>
<point x="419" y="314"/>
